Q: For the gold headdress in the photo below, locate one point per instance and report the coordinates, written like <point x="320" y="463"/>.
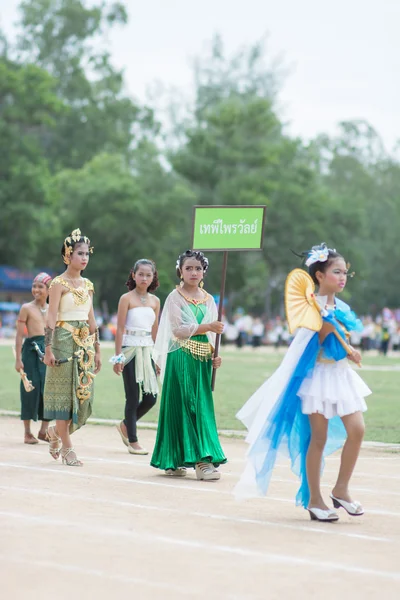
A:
<point x="70" y="242"/>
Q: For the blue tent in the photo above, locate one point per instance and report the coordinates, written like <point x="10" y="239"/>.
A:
<point x="9" y="306"/>
<point x="14" y="280"/>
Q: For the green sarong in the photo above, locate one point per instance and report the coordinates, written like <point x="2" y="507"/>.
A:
<point x="68" y="391"/>
<point x="32" y="402"/>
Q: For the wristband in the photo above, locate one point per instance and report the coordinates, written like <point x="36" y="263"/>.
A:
<point x="118" y="359"/>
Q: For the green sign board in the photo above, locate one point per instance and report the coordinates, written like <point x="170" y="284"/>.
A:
<point x="228" y="227"/>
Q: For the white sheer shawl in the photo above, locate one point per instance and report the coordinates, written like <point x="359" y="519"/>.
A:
<point x="178" y="322"/>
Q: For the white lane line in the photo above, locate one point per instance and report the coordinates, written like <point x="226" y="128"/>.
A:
<point x="392" y="448"/>
<point x="216" y="517"/>
<point x="201" y="488"/>
<point x="266" y="557"/>
<point x="65" y="472"/>
<point x="236" y="475"/>
<point x="76" y="569"/>
<point x="144" y="463"/>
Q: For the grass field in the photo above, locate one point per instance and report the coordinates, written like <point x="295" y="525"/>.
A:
<point x="241" y="374"/>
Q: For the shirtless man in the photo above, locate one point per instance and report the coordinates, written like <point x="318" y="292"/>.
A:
<point x="32" y="320"/>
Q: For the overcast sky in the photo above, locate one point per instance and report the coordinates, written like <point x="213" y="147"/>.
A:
<point x="344" y="56"/>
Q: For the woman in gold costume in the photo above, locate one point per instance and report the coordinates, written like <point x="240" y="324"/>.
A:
<point x="72" y="349"/>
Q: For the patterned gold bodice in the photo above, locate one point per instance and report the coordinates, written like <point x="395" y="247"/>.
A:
<point x="76" y="303"/>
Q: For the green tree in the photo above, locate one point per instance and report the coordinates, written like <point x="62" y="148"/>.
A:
<point x="237" y="153"/>
<point x="29" y="108"/>
<point x="63" y="36"/>
<point x="129" y="211"/>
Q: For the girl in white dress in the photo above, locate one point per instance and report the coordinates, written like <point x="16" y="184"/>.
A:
<point x="311" y="403"/>
<point x="137" y="325"/>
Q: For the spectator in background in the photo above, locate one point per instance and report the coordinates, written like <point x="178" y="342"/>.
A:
<point x="258" y="332"/>
<point x="368" y="334"/>
<point x="385" y="339"/>
<point x="243" y="324"/>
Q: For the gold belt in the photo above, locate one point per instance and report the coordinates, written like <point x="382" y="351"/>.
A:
<point x="81" y="335"/>
<point x="200" y="350"/>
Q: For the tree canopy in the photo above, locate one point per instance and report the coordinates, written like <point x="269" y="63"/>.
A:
<point x="77" y="151"/>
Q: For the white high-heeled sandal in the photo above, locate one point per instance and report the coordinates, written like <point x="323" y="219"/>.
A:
<point x="325" y="516"/>
<point x="354" y="509"/>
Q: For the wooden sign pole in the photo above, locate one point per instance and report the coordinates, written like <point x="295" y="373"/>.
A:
<point x="220" y="308"/>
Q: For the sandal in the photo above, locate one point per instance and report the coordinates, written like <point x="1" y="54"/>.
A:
<point x="70" y="462"/>
<point x="352" y="508"/>
<point x="30" y="439"/>
<point x="42" y="436"/>
<point x="54" y="442"/>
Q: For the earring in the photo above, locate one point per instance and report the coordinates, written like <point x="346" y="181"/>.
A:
<point x="181" y="283"/>
<point x="201" y="284"/>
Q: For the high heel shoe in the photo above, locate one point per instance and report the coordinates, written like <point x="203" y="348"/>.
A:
<point x="325" y="516"/>
<point x="70" y="462"/>
<point x="54" y="442"/>
<point x="354" y="509"/>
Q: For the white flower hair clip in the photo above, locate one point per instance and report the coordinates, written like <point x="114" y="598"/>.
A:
<point x="317" y="254"/>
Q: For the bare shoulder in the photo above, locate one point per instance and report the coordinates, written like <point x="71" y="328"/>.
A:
<point x="155" y="299"/>
<point x="124" y="300"/>
<point x="25" y="309"/>
<point x="125" y="297"/>
<point x="26" y="306"/>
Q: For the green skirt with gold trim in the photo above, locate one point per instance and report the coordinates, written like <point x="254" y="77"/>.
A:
<point x="187" y="430"/>
<point x="68" y="390"/>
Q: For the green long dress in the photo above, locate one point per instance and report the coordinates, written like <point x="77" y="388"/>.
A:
<point x="187" y="431"/>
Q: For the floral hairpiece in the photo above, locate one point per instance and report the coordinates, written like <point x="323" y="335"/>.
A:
<point x="318" y="254"/>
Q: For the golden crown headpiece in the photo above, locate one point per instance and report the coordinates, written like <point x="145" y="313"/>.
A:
<point x="70" y="241"/>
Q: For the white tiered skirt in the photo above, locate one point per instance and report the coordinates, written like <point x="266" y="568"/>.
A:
<point x="333" y="389"/>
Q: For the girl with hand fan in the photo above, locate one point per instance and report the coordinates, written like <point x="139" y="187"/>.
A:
<point x="313" y="403"/>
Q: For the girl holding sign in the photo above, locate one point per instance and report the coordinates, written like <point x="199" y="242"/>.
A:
<point x="187" y="432"/>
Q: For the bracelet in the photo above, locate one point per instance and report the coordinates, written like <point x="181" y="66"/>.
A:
<point x="97" y="337"/>
<point x="118" y="359"/>
<point x="48" y="336"/>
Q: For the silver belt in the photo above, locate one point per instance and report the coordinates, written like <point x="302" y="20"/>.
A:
<point x="137" y="332"/>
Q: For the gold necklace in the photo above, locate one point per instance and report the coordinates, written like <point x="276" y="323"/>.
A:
<point x="194" y="300"/>
<point x="80" y="294"/>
